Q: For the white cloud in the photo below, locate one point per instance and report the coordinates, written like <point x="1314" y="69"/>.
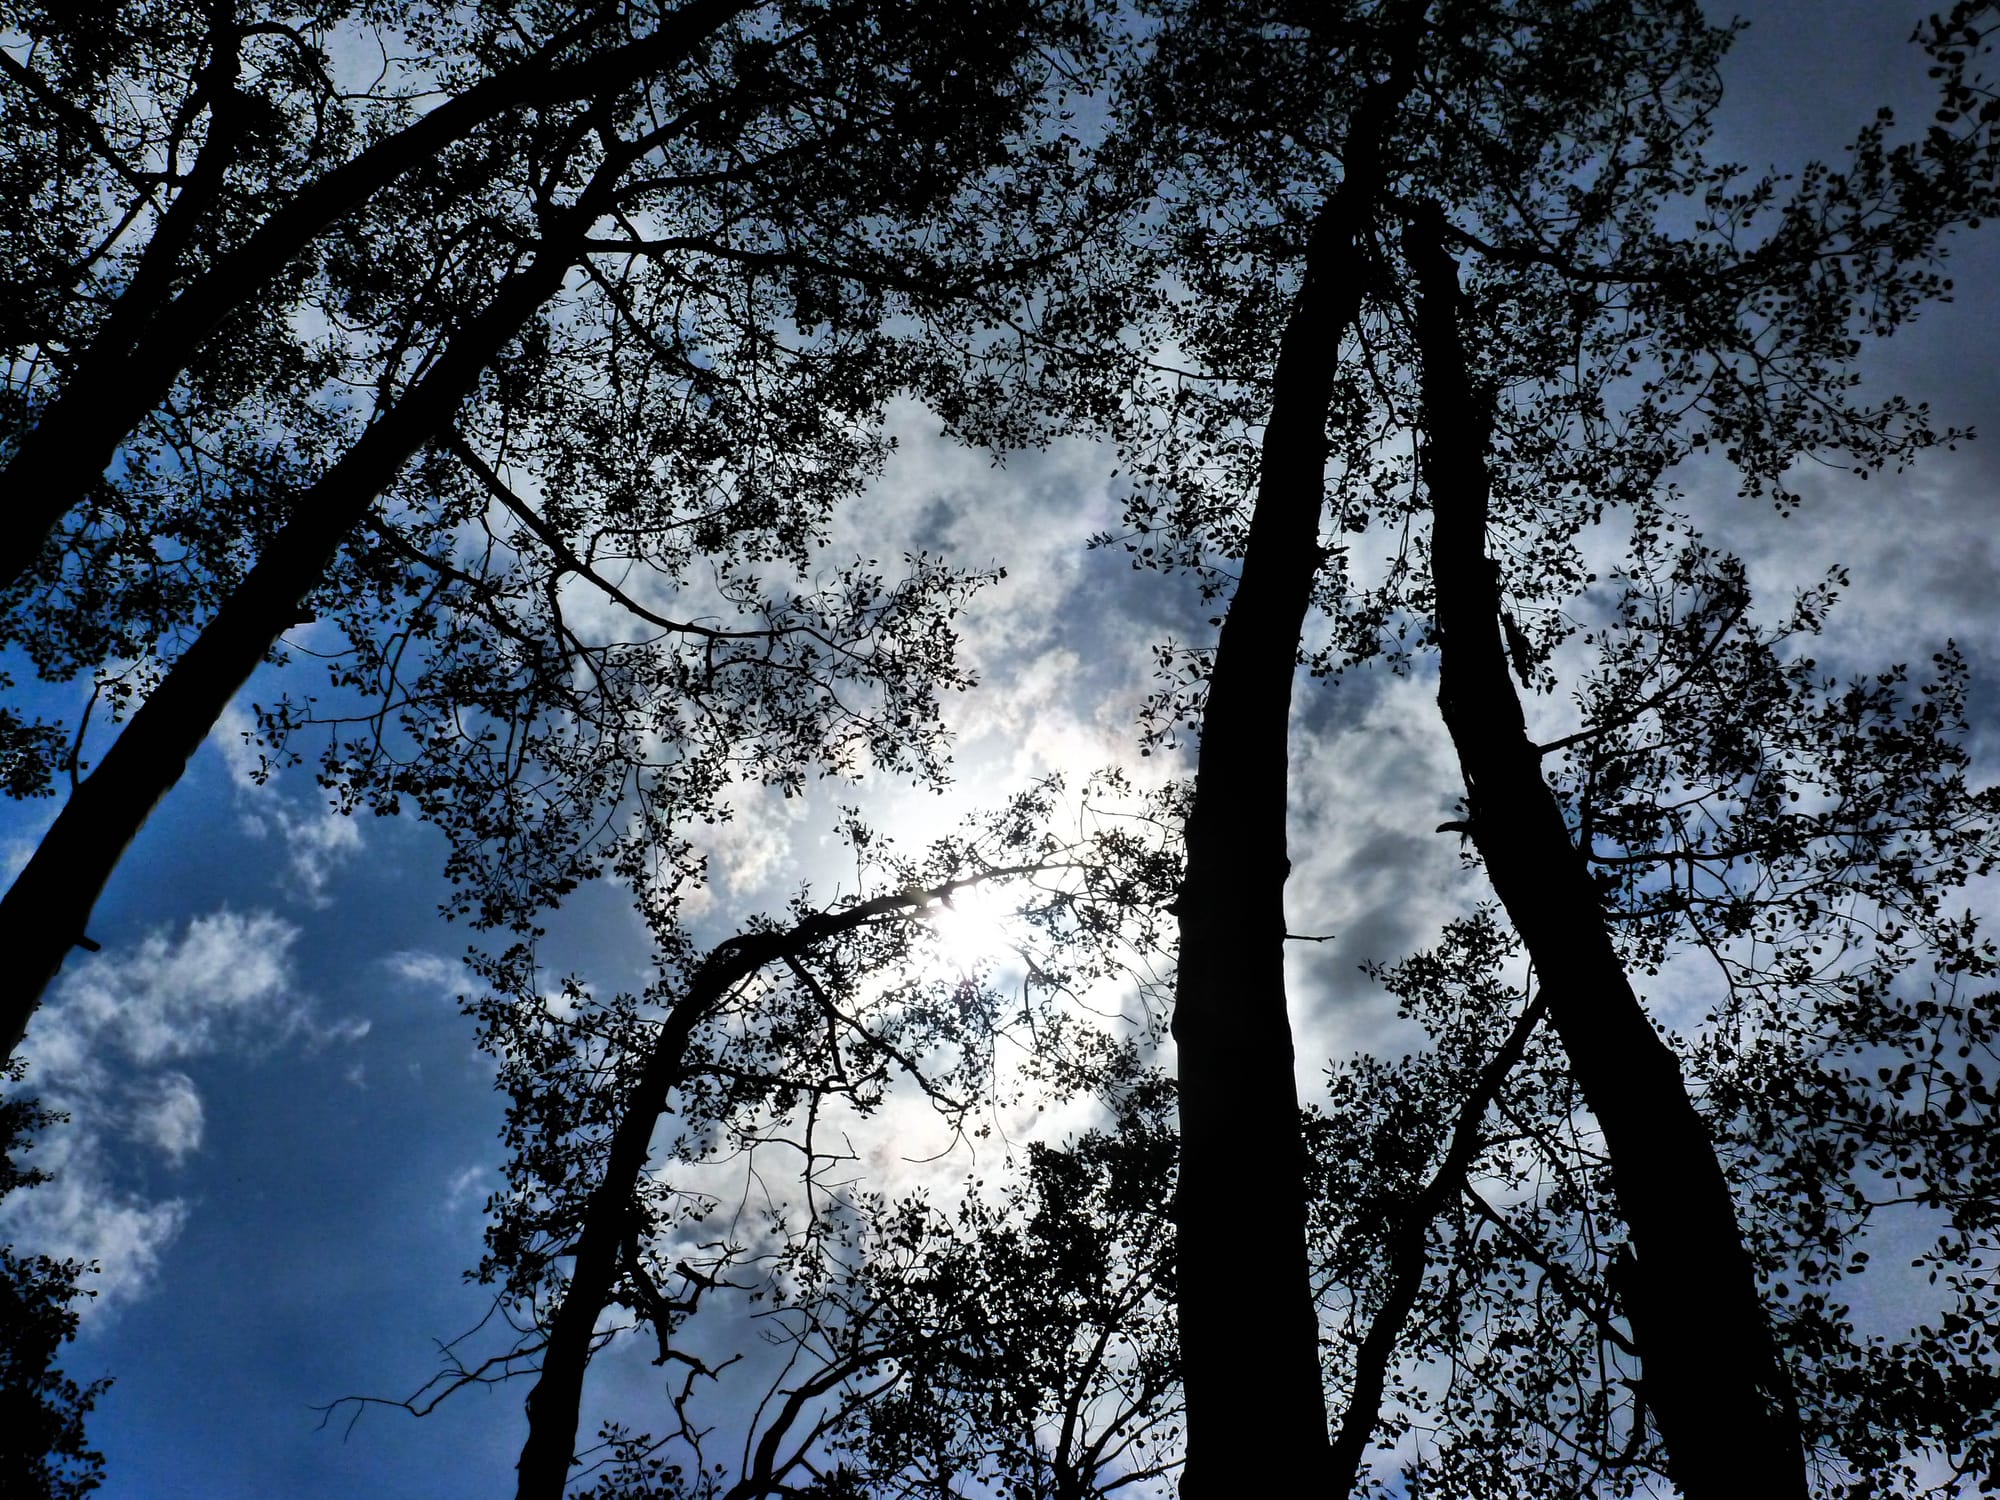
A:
<point x="168" y="1116"/>
<point x="753" y="845"/>
<point x="331" y="1033"/>
<point x="428" y="970"/>
<point x="1367" y="865"/>
<point x="318" y="845"/>
<point x="318" y="841"/>
<point x="233" y="740"/>
<point x="466" y="1189"/>
<point x="99" y="1050"/>
<point x="229" y="973"/>
<point x="77" y="1215"/>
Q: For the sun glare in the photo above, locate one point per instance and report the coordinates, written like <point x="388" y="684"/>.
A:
<point x="971" y="927"/>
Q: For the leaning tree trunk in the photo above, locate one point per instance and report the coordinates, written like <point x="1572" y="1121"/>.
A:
<point x="44" y="913"/>
<point x="1711" y="1373"/>
<point x="1256" y="1409"/>
<point x="610" y="1221"/>
<point x="555" y="1403"/>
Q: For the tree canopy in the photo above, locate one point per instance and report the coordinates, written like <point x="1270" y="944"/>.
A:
<point x="511" y="487"/>
<point x="474" y="398"/>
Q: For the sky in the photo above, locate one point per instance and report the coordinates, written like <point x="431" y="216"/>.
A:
<point x="283" y="1135"/>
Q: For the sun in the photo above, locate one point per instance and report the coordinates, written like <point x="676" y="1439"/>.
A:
<point x="971" y="928"/>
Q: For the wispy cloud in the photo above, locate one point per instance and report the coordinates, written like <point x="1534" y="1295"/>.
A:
<point x="106" y="1048"/>
<point x="427" y="970"/>
<point x="317" y="841"/>
<point x="466" y="1190"/>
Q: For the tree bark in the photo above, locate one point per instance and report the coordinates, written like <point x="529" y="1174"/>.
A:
<point x="1256" y="1407"/>
<point x="146" y="340"/>
<point x="44" y="913"/>
<point x="1711" y="1373"/>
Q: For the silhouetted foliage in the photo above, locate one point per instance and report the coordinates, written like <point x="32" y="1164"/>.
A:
<point x="1632" y="304"/>
<point x="536" y="435"/>
<point x="44" y="1452"/>
<point x="769" y="1052"/>
<point x="585" y="381"/>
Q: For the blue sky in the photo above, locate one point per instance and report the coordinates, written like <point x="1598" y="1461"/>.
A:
<point x="284" y="1134"/>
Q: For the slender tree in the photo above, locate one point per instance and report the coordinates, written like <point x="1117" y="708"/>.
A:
<point x="1023" y="1341"/>
<point x="1691" y="1294"/>
<point x="1552" y="136"/>
<point x="1238" y="1101"/>
<point x="778" y="1040"/>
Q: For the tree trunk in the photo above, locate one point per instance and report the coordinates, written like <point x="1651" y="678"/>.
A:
<point x="1711" y="1374"/>
<point x="46" y="910"/>
<point x="1256" y="1407"/>
<point x="555" y="1403"/>
<point x="146" y="341"/>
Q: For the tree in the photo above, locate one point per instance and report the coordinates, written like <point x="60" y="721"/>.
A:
<point x="780" y="1039"/>
<point x="1486" y="86"/>
<point x="226" y="133"/>
<point x="1238" y="1103"/>
<point x="1523" y="1337"/>
<point x="1330" y="172"/>
<point x="228" y="137"/>
<point x="44" y="1454"/>
<point x="1048" y="1312"/>
<point x="747" y="212"/>
<point x="1547" y="140"/>
<point x="1022" y="1342"/>
<point x="1671" y="1189"/>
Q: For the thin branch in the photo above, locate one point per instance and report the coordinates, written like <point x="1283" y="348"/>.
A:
<point x="1569" y="1286"/>
<point x="1407" y="1253"/>
<point x="79" y="119"/>
<point x="1639" y="710"/>
<point x="572" y="563"/>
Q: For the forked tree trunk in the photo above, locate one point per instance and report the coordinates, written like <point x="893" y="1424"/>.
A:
<point x="1249" y="1332"/>
<point x="1711" y="1374"/>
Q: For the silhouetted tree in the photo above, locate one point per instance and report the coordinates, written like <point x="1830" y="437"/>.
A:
<point x="174" y="176"/>
<point x="630" y="334"/>
<point x="44" y="1452"/>
<point x="1544" y="143"/>
<point x="774" y="1044"/>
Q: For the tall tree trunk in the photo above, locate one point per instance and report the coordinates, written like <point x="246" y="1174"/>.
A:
<point x="44" y="913"/>
<point x="147" y="340"/>
<point x="1256" y="1408"/>
<point x="1711" y="1374"/>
